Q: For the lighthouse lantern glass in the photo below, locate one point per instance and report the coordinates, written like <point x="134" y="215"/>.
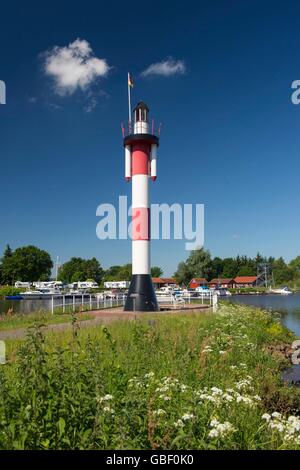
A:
<point x="141" y="124"/>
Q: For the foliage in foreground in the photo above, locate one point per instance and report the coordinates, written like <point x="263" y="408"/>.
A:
<point x="170" y="382"/>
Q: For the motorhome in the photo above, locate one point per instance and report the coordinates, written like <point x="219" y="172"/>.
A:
<point x="117" y="284"/>
<point x="48" y="285"/>
<point x="22" y="285"/>
<point x="83" y="285"/>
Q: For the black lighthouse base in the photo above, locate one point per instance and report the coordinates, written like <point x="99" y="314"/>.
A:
<point x="141" y="296"/>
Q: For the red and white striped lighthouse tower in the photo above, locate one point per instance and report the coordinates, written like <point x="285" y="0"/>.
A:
<point x="140" y="165"/>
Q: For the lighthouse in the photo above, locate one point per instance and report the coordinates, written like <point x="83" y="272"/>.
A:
<point x="140" y="167"/>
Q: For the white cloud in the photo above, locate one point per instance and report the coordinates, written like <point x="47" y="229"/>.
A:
<point x="74" y="67"/>
<point x="166" y="68"/>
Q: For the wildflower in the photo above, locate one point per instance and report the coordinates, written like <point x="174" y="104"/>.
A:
<point x="220" y="429"/>
<point x="104" y="399"/>
<point x="187" y="416"/>
<point x="245" y="383"/>
<point x="222" y="352"/>
<point x="108" y="397"/>
<point x="159" y="412"/>
<point x="164" y="397"/>
<point x="149" y="375"/>
<point x="216" y="391"/>
<point x="289" y="427"/>
<point x="214" y="422"/>
<point x="165" y="388"/>
<point x="213" y="433"/>
<point x="179" y="423"/>
<point x="227" y="397"/>
<point x="107" y="409"/>
<point x="244" y="399"/>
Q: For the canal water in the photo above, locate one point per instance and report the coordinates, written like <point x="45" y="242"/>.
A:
<point x="287" y="305"/>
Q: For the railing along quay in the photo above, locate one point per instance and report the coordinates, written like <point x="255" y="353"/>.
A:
<point x="93" y="302"/>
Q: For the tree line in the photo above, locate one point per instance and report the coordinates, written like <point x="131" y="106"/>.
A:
<point x="30" y="263"/>
<point x="200" y="263"/>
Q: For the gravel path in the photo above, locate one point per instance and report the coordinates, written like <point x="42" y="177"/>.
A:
<point x="102" y="317"/>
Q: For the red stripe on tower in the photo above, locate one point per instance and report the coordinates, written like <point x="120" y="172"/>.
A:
<point x="140" y="223"/>
<point x="140" y="158"/>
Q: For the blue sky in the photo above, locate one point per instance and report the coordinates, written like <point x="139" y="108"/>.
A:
<point x="230" y="136"/>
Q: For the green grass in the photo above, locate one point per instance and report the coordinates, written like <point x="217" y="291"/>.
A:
<point x="167" y="381"/>
<point x="26" y="320"/>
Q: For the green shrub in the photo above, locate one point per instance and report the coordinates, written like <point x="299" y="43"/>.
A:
<point x="9" y="290"/>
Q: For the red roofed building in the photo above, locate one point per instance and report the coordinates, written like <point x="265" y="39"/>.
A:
<point x="226" y="283"/>
<point x="245" y="281"/>
<point x="159" y="282"/>
<point x="198" y="282"/>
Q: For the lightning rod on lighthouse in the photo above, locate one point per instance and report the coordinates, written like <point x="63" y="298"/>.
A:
<point x="140" y="165"/>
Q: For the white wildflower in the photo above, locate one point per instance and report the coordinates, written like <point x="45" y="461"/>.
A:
<point x="164" y="397"/>
<point x="214" y="422"/>
<point x="216" y="391"/>
<point x="187" y="416"/>
<point x="108" y="409"/>
<point x="105" y="398"/>
<point x="289" y="427"/>
<point x="179" y="423"/>
<point x="266" y="416"/>
<point x="149" y="375"/>
<point x="213" y="433"/>
<point x="159" y="412"/>
<point x="220" y="429"/>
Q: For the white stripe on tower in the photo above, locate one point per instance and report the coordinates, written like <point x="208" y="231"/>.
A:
<point x="141" y="236"/>
<point x="140" y="208"/>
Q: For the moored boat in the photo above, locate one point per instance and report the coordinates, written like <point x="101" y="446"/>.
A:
<point x="41" y="294"/>
<point x="282" y="291"/>
<point x="13" y="297"/>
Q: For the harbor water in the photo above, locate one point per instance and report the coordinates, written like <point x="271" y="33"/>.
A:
<point x="287" y="305"/>
<point x="289" y="308"/>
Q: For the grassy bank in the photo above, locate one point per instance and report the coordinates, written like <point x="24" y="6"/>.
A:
<point x="179" y="381"/>
<point x="14" y="321"/>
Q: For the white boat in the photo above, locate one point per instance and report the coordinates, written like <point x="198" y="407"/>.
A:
<point x="222" y="292"/>
<point x="41" y="294"/>
<point x="203" y="291"/>
<point x="164" y="291"/>
<point x="282" y="291"/>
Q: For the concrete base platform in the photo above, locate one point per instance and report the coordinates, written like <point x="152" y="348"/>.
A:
<point x="167" y="308"/>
